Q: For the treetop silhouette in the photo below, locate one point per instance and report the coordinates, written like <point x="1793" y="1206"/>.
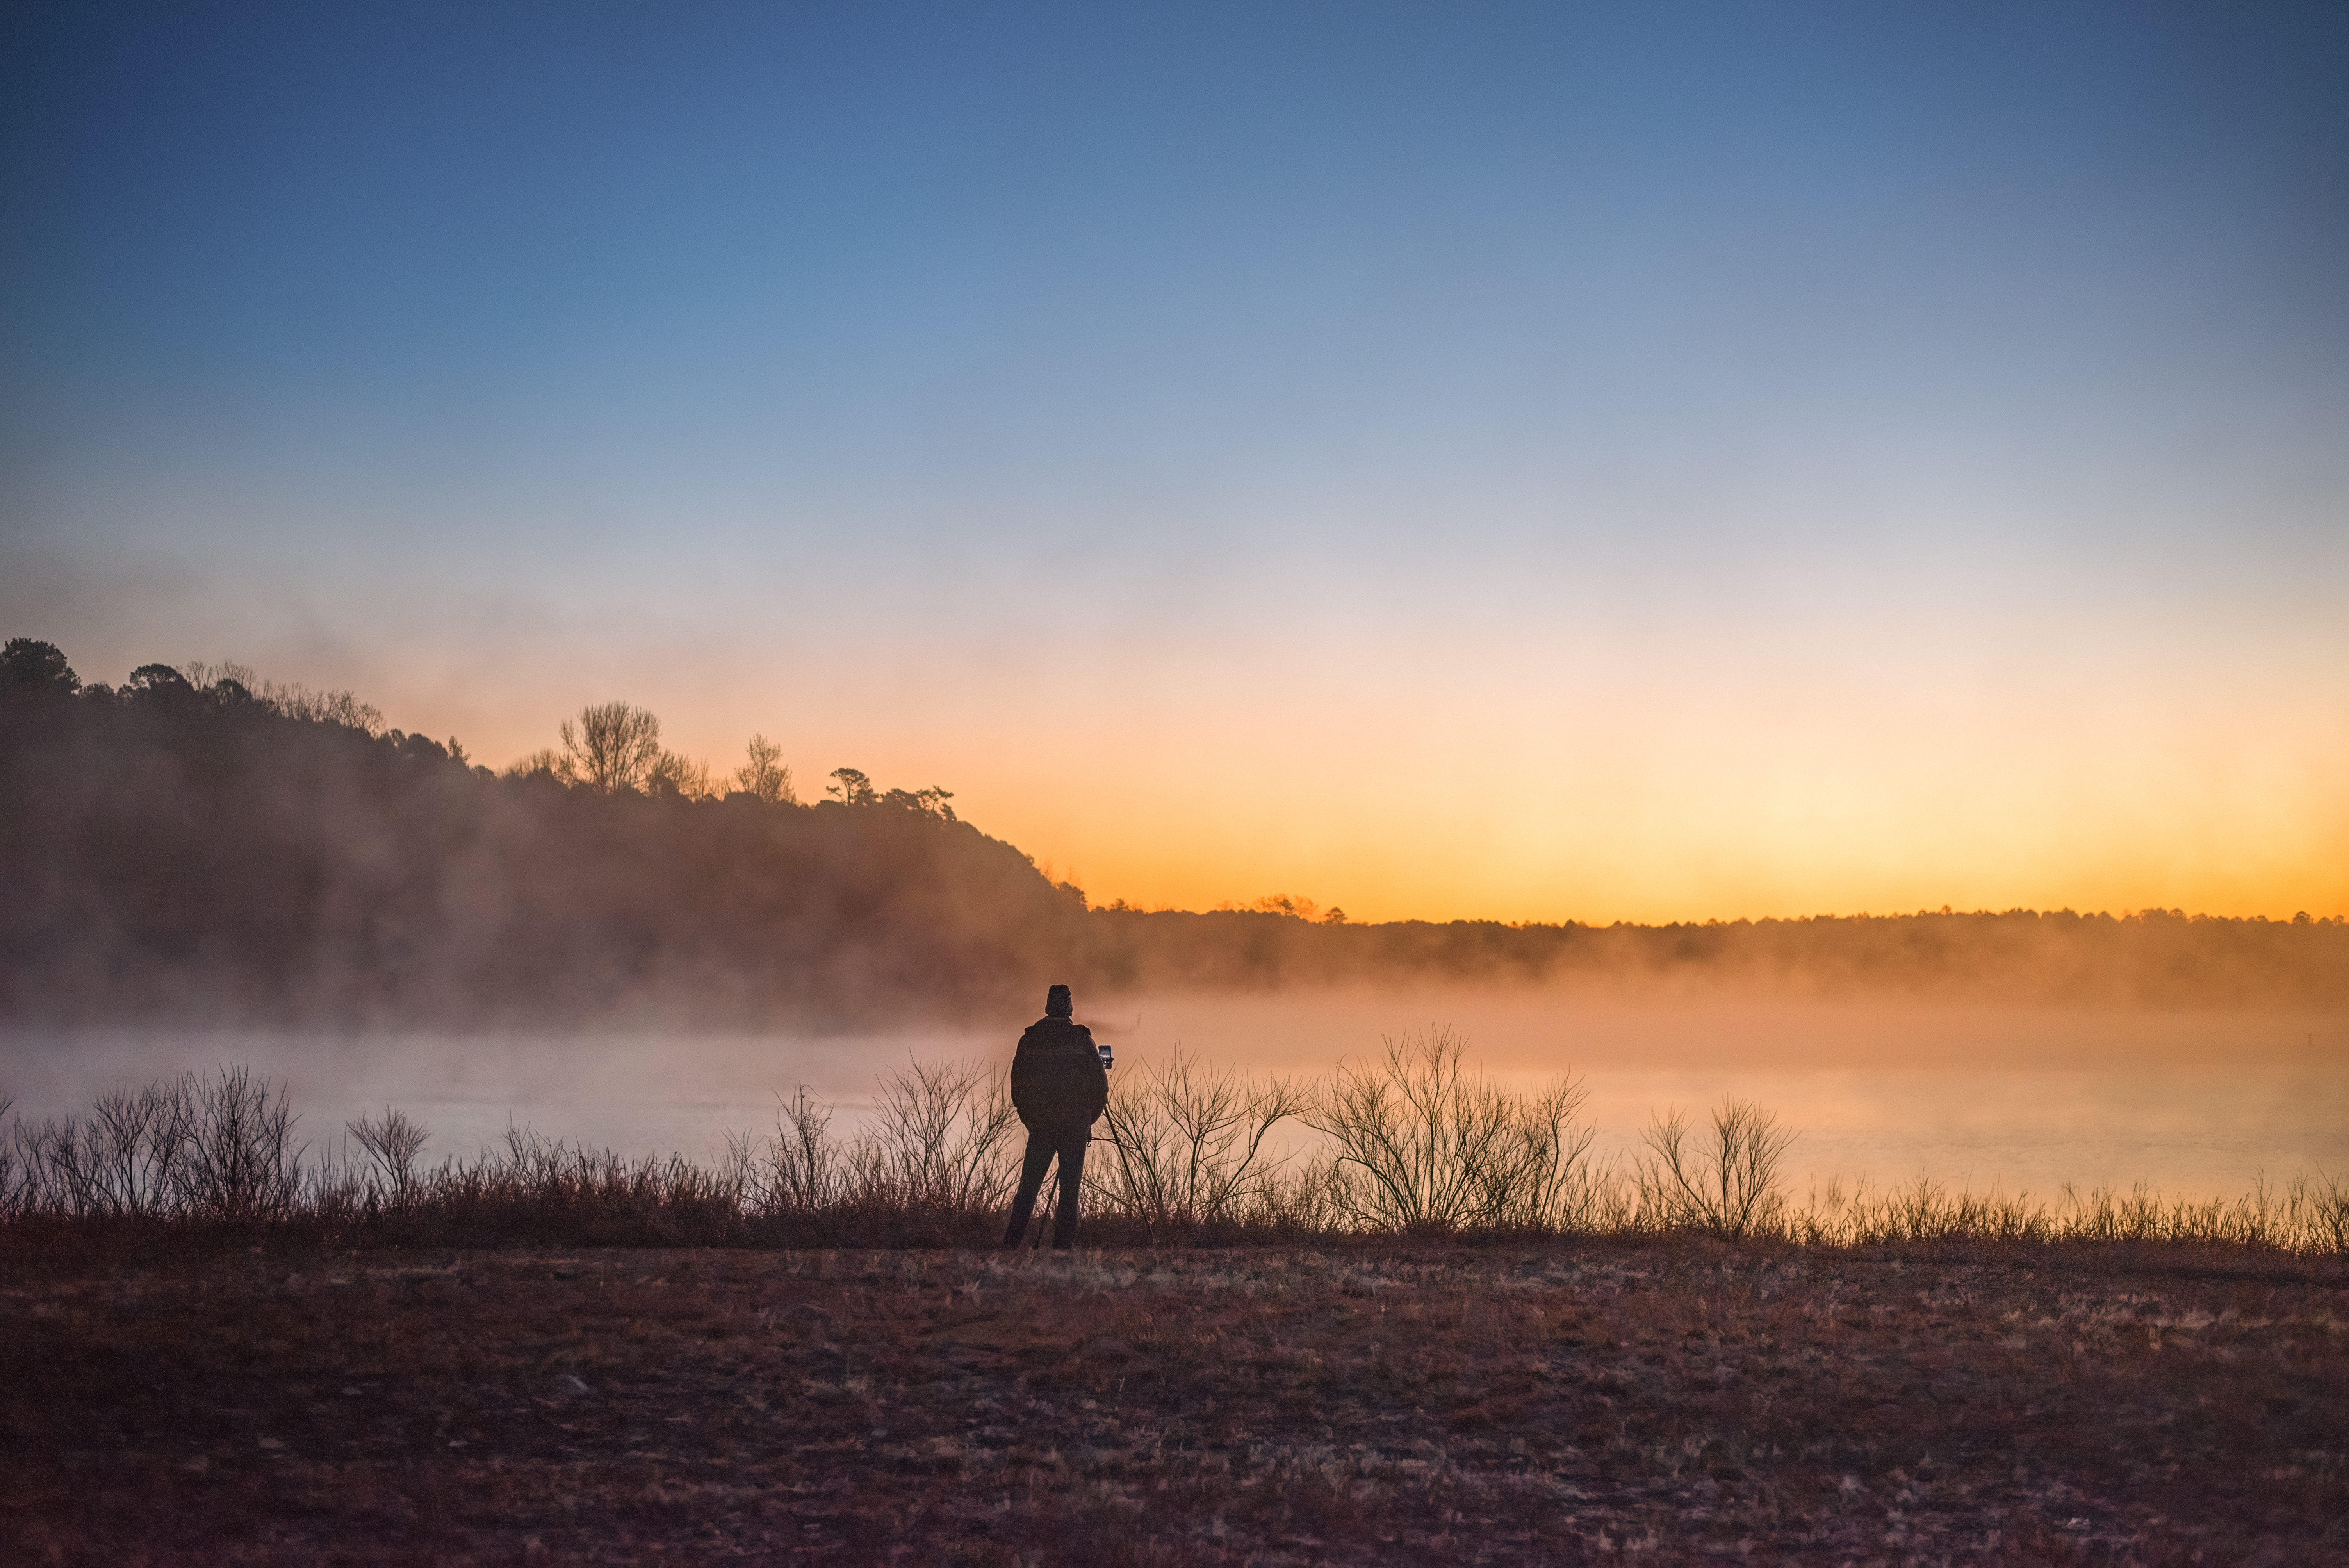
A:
<point x="204" y="843"/>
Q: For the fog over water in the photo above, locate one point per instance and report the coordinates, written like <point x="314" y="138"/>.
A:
<point x="2027" y="1099"/>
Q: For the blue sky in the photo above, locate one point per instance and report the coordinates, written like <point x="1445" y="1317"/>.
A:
<point x="1535" y="461"/>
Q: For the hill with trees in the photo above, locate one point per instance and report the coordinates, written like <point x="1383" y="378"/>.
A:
<point x="229" y="850"/>
<point x="200" y="846"/>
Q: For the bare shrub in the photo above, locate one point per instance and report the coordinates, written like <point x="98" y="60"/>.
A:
<point x="1412" y="1143"/>
<point x="237" y="1161"/>
<point x="124" y="1161"/>
<point x="943" y="1144"/>
<point x="44" y="1176"/>
<point x="393" y="1143"/>
<point x="1418" y="1146"/>
<point x="936" y="1163"/>
<point x="216" y="1148"/>
<point x="1728" y="1185"/>
<point x="135" y="1149"/>
<point x="799" y="1172"/>
<point x="1185" y="1150"/>
<point x="53" y="1182"/>
<point x="1546" y="1183"/>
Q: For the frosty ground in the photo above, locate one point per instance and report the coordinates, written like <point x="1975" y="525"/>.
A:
<point x="1681" y="1397"/>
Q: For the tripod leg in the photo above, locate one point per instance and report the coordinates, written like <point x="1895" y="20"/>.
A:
<point x="1044" y="1226"/>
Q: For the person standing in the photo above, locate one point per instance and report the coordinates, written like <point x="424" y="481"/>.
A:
<point x="1059" y="1086"/>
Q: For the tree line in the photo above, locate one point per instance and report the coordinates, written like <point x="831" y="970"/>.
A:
<point x="201" y="844"/>
<point x="2155" y="957"/>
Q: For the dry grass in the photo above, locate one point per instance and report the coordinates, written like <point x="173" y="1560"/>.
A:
<point x="214" y="1349"/>
<point x="2107" y="1402"/>
<point x="1412" y="1146"/>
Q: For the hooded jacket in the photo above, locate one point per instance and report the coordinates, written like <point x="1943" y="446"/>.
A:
<point x="1058" y="1083"/>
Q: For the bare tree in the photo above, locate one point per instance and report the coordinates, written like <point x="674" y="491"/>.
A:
<point x="205" y="676"/>
<point x="611" y="746"/>
<point x="682" y="775"/>
<point x="298" y="701"/>
<point x="227" y="680"/>
<point x="764" y="775"/>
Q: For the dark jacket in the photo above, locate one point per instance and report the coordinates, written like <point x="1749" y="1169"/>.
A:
<point x="1058" y="1083"/>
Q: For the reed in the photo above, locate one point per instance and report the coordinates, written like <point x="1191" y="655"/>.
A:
<point x="2307" y="1214"/>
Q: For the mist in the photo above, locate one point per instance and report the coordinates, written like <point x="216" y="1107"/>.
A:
<point x="196" y="851"/>
<point x="2198" y="1103"/>
<point x="615" y="949"/>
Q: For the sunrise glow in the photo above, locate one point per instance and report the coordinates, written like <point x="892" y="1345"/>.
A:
<point x="1533" y="465"/>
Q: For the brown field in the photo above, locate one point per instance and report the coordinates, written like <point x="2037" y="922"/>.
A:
<point x="1676" y="1396"/>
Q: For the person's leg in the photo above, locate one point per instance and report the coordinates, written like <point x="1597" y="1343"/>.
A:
<point x="1072" y="1177"/>
<point x="1031" y="1182"/>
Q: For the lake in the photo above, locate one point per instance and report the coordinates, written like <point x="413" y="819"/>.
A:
<point x="2197" y="1104"/>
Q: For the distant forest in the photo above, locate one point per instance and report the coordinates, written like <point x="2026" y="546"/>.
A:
<point x="198" y="846"/>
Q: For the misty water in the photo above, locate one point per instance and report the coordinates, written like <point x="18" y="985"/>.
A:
<point x="2196" y="1104"/>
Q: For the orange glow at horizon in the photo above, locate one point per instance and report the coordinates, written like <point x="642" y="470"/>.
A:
<point x="1755" y="794"/>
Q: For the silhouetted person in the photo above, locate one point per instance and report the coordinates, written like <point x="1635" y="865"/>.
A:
<point x="1060" y="1088"/>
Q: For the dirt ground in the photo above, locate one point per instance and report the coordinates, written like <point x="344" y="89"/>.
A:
<point x="1490" y="1405"/>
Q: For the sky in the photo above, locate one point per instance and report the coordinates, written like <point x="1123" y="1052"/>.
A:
<point x="1533" y="462"/>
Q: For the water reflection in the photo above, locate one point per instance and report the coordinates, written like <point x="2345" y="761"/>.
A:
<point x="2198" y="1104"/>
